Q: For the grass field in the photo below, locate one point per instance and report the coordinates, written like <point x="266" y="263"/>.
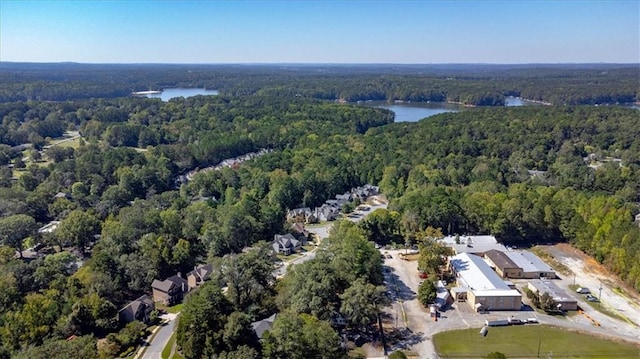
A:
<point x="529" y="341"/>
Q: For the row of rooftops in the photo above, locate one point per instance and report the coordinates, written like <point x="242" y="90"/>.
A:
<point x="226" y="163"/>
<point x="331" y="207"/>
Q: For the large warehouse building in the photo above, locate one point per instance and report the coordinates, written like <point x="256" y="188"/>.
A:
<point x="480" y="286"/>
<point x="518" y="264"/>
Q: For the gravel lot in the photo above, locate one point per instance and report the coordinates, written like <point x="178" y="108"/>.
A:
<point x="590" y="274"/>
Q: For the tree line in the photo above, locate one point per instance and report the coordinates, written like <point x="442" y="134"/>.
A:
<point x="478" y="85"/>
<point x="131" y="222"/>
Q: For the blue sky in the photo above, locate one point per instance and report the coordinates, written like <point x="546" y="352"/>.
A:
<point x="166" y="31"/>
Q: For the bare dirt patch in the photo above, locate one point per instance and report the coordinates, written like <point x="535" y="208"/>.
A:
<point x="614" y="294"/>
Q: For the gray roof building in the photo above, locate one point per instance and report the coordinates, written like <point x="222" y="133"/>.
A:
<point x="263" y="325"/>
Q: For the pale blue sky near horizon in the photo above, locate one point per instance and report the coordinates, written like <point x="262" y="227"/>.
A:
<point x="335" y="31"/>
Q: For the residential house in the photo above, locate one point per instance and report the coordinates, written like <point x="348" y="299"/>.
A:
<point x="62" y="195"/>
<point x="299" y="214"/>
<point x="286" y="244"/>
<point x="198" y="275"/>
<point x="169" y="291"/>
<point x="326" y="213"/>
<point x="263" y="325"/>
<point x="139" y="309"/>
<point x="299" y="231"/>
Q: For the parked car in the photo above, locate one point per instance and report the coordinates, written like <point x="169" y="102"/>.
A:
<point x="583" y="290"/>
<point x="591" y="298"/>
<point x="531" y="320"/>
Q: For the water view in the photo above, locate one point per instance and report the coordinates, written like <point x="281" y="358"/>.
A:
<point x="517" y="101"/>
<point x="414" y="111"/>
<point x="168" y="94"/>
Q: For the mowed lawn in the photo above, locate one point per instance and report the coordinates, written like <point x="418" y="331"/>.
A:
<point x="523" y="342"/>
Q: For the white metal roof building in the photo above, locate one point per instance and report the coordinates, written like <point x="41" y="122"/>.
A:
<point x="485" y="288"/>
<point x="532" y="266"/>
<point x="473" y="244"/>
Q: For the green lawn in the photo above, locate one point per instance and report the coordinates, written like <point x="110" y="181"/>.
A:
<point x="288" y="258"/>
<point x="524" y="341"/>
<point x="174" y="309"/>
<point x="75" y="143"/>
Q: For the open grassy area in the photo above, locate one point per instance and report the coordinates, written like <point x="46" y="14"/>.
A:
<point x="174" y="309"/>
<point x="530" y="341"/>
<point x="74" y="143"/>
<point x="288" y="258"/>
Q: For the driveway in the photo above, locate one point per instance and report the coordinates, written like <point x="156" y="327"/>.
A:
<point x="159" y="341"/>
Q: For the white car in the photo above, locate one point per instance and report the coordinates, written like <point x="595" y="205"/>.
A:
<point x="531" y="320"/>
<point x="583" y="290"/>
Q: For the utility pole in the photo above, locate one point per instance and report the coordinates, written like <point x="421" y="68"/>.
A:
<point x="600" y="294"/>
<point x="539" y="341"/>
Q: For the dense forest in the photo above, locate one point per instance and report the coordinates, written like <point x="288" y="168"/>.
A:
<point x="527" y="175"/>
<point x="473" y="85"/>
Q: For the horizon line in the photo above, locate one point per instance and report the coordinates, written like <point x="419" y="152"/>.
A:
<point x="317" y="63"/>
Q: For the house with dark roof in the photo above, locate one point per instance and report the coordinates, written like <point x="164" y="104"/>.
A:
<point x="139" y="309"/>
<point x="169" y="291"/>
<point x="286" y="244"/>
<point x="502" y="264"/>
<point x="198" y="275"/>
<point x="263" y="325"/>
<point x="299" y="231"/>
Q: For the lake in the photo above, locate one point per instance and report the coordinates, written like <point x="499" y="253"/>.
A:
<point x="416" y="111"/>
<point x="517" y="101"/>
<point x="168" y="94"/>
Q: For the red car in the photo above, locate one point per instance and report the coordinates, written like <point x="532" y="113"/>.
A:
<point x="424" y="275"/>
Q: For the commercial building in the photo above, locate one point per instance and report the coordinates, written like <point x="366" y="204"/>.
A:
<point x="519" y="264"/>
<point x="473" y="244"/>
<point x="564" y="301"/>
<point x="531" y="265"/>
<point x="503" y="265"/>
<point x="480" y="286"/>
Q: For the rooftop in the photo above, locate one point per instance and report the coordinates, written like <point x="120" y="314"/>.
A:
<point x="529" y="262"/>
<point x="473" y="244"/>
<point x="474" y="273"/>
<point x="501" y="259"/>
<point x="554" y="291"/>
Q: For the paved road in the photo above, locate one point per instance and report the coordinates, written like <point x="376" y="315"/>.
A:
<point x="154" y="350"/>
